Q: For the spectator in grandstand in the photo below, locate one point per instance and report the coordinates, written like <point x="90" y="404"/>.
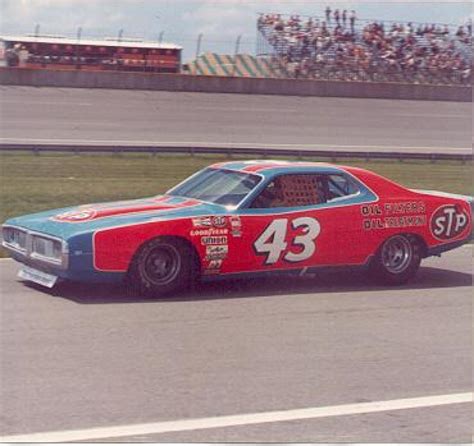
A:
<point x="460" y="32"/>
<point x="328" y="14"/>
<point x="352" y="20"/>
<point x="344" y="18"/>
<point x="337" y="17"/>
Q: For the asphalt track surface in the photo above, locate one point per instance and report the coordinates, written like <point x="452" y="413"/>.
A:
<point x="84" y="357"/>
<point x="94" y="116"/>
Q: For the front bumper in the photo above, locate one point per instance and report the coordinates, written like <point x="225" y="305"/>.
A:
<point x="75" y="262"/>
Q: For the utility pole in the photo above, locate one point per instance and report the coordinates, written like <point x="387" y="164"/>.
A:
<point x="198" y="46"/>
<point x="78" y="36"/>
<point x="236" y="51"/>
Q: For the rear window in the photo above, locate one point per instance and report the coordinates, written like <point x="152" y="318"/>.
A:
<point x="339" y="186"/>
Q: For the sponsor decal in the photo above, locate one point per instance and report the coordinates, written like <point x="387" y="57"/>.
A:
<point x="370" y="209"/>
<point x="236" y="225"/>
<point x="405" y="214"/>
<point x="448" y="222"/>
<point x="202" y="222"/>
<point x="121" y="208"/>
<point x="208" y="232"/>
<point x="409" y="221"/>
<point x="76" y="215"/>
<point x="219" y="221"/>
<point x="408" y="207"/>
<point x="235" y="221"/>
<point x="216" y="252"/>
<point x="219" y="240"/>
<point x="213" y="267"/>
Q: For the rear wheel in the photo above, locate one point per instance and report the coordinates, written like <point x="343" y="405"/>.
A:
<point x="162" y="266"/>
<point x="397" y="260"/>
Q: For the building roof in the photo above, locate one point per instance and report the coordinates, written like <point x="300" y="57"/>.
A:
<point x="112" y="42"/>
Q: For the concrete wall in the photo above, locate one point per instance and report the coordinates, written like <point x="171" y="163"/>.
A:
<point x="208" y="84"/>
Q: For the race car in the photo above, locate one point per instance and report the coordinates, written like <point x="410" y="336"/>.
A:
<point x="244" y="218"/>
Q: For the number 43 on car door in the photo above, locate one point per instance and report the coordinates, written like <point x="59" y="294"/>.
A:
<point x="302" y="241"/>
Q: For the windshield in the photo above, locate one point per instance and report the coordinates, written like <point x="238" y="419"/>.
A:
<point x="219" y="186"/>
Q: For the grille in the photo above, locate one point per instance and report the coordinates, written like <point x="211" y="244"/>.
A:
<point x="36" y="246"/>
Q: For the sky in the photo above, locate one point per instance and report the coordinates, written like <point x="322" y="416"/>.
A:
<point x="181" y="21"/>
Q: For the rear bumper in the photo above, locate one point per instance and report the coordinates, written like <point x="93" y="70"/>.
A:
<point x="438" y="250"/>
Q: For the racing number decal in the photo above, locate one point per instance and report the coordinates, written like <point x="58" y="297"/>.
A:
<point x="272" y="241"/>
<point x="311" y="229"/>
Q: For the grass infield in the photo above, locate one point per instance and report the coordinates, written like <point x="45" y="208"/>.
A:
<point x="32" y="183"/>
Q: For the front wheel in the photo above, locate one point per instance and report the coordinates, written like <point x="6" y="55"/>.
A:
<point x="397" y="260"/>
<point x="162" y="266"/>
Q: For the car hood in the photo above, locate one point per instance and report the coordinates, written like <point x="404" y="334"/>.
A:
<point x="91" y="217"/>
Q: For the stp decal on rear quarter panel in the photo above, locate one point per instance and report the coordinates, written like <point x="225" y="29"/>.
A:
<point x="449" y="222"/>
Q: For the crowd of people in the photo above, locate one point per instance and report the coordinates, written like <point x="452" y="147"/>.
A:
<point x="341" y="46"/>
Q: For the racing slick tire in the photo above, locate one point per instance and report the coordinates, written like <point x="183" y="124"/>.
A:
<point x="162" y="266"/>
<point x="397" y="260"/>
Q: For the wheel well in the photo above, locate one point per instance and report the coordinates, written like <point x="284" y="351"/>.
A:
<point x="196" y="259"/>
<point x="421" y="243"/>
<point x="414" y="238"/>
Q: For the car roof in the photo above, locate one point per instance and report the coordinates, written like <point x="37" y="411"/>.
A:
<point x="268" y="168"/>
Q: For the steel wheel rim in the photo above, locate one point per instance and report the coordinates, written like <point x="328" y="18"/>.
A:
<point x="162" y="264"/>
<point x="397" y="254"/>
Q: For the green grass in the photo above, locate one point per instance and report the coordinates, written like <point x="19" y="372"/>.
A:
<point x="31" y="183"/>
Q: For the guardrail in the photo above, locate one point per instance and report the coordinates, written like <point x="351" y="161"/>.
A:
<point x="232" y="151"/>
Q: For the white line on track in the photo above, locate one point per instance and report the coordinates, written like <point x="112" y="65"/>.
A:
<point x="328" y="146"/>
<point x="239" y="420"/>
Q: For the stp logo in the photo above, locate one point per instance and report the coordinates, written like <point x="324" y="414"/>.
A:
<point x="448" y="222"/>
<point x="76" y="215"/>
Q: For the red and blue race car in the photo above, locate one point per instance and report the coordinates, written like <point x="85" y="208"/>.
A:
<point x="243" y="218"/>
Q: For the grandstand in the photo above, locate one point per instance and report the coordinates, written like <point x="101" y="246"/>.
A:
<point x="355" y="50"/>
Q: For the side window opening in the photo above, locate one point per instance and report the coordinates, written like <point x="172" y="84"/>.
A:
<point x="292" y="191"/>
<point x="304" y="190"/>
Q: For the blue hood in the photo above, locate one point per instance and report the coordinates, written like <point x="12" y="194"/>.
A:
<point x="67" y="222"/>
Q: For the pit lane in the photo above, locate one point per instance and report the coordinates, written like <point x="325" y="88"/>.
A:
<point x="83" y="357"/>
